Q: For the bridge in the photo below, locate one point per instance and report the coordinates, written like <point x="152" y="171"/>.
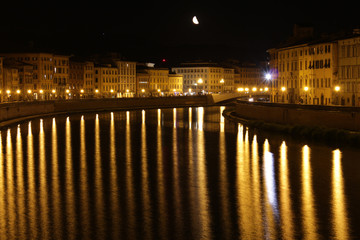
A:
<point x="224" y="97"/>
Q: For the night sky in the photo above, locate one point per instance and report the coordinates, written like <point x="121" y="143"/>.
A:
<point x="149" y="31"/>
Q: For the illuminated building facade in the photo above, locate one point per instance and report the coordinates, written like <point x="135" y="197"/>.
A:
<point x="127" y="77"/>
<point x="203" y="77"/>
<point x="304" y="71"/>
<point x="348" y="84"/>
<point x="61" y="75"/>
<point x="107" y="80"/>
<point x="81" y="78"/>
<point x="247" y="76"/>
<point x="175" y="84"/>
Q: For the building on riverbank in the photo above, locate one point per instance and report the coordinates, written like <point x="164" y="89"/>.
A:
<point x="318" y="70"/>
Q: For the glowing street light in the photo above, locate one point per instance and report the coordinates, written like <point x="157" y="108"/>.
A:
<point x="337" y="88"/>
<point x="29" y="91"/>
<point x="41" y="91"/>
<point x="96" y="90"/>
<point x="254" y="89"/>
<point x="268" y="76"/>
<point x="18" y="91"/>
<point x="283" y="89"/>
<point x="8" y="91"/>
<point x="67" y="91"/>
<point x="222" y="80"/>
<point x="266" y="89"/>
<point x="142" y="90"/>
<point x="306" y="89"/>
<point x="81" y="90"/>
<point x="200" y="81"/>
<point x="53" y="91"/>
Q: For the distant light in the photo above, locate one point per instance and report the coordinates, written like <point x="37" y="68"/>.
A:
<point x="306" y="89"/>
<point x="268" y="76"/>
<point x="222" y="81"/>
<point x="29" y="91"/>
<point x="127" y="90"/>
<point x="18" y="91"/>
<point x="143" y="90"/>
<point x="200" y="81"/>
<point x="163" y="60"/>
<point x="254" y="89"/>
<point x="246" y="89"/>
<point x="111" y="90"/>
<point x="41" y="91"/>
<point x="251" y="99"/>
<point x="8" y="91"/>
<point x="266" y="89"/>
<point x="337" y="88"/>
<point x="82" y="90"/>
<point x="67" y="91"/>
<point x="283" y="89"/>
<point x="159" y="90"/>
<point x="53" y="91"/>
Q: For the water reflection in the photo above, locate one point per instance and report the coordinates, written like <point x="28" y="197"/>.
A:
<point x="339" y="208"/>
<point x="308" y="210"/>
<point x="170" y="174"/>
<point x="285" y="195"/>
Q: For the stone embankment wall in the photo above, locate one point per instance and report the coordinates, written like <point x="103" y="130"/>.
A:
<point x="11" y="112"/>
<point x="306" y="115"/>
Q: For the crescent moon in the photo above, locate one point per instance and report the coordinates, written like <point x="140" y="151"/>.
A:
<point x="195" y="20"/>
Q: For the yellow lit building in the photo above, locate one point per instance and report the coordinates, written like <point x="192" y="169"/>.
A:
<point x="247" y="76"/>
<point x="107" y="80"/>
<point x="61" y="75"/>
<point x="1" y="79"/>
<point x="81" y="78"/>
<point x="202" y="77"/>
<point x="304" y="71"/>
<point x="175" y="84"/>
<point x="127" y="77"/>
<point x="348" y="84"/>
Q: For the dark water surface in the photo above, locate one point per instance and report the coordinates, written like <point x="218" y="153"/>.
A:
<point x="181" y="173"/>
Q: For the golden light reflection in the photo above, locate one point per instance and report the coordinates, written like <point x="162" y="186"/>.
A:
<point x="99" y="192"/>
<point x="203" y="194"/>
<point x="10" y="188"/>
<point x="200" y="118"/>
<point x="143" y="116"/>
<point x="244" y="198"/>
<point x="174" y="117"/>
<point x="130" y="199"/>
<point x="70" y="194"/>
<point x="309" y="218"/>
<point x="115" y="204"/>
<point x="190" y="117"/>
<point x="287" y="226"/>
<point x="161" y="185"/>
<point x="224" y="184"/>
<point x="256" y="188"/>
<point x="56" y="197"/>
<point x="32" y="193"/>
<point x="84" y="188"/>
<point x="339" y="210"/>
<point x="159" y="117"/>
<point x="21" y="201"/>
<point x="147" y="211"/>
<point x="222" y="119"/>
<point x="271" y="205"/>
<point x="178" y="207"/>
<point x="2" y="189"/>
<point x="44" y="204"/>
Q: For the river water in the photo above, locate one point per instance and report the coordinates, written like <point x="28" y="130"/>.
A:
<point x="182" y="173"/>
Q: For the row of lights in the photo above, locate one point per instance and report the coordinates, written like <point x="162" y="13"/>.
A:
<point x="254" y="89"/>
<point x="336" y="88"/>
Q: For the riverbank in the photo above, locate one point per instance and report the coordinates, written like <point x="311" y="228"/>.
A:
<point x="11" y="113"/>
<point x="315" y="133"/>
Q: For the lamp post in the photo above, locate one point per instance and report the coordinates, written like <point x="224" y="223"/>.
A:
<point x="337" y="90"/>
<point x="200" y="81"/>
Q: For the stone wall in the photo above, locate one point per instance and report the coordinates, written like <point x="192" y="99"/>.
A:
<point x="18" y="110"/>
<point x="307" y="115"/>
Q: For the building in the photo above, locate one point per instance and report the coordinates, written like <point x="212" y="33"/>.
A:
<point x="127" y="77"/>
<point x="81" y="78"/>
<point x="175" y="84"/>
<point x="61" y="75"/>
<point x="347" y="90"/>
<point x="107" y="82"/>
<point x="304" y="69"/>
<point x="247" y="76"/>
<point x="43" y="64"/>
<point x="202" y="77"/>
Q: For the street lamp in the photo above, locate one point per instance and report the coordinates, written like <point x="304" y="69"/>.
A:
<point x="306" y="89"/>
<point x="268" y="76"/>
